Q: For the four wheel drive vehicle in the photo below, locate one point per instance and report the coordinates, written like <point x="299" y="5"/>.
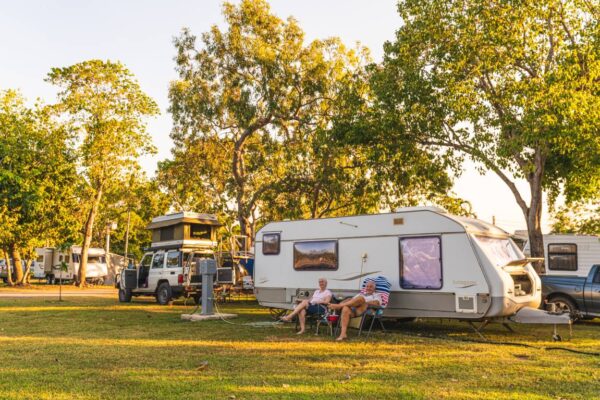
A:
<point x="579" y="296"/>
<point x="162" y="274"/>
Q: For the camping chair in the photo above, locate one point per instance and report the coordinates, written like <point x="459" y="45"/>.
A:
<point x="383" y="287"/>
<point x="320" y="318"/>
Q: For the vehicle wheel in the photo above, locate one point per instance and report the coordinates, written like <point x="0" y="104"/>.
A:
<point x="124" y="295"/>
<point x="5" y="280"/>
<point x="100" y="281"/>
<point x="50" y="279"/>
<point x="564" y="305"/>
<point x="164" y="296"/>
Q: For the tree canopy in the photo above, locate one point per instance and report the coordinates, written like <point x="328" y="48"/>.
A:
<point x="37" y="180"/>
<point x="256" y="112"/>
<point x="512" y="85"/>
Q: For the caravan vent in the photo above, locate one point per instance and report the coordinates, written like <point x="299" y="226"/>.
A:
<point x="466" y="304"/>
<point x="398" y="221"/>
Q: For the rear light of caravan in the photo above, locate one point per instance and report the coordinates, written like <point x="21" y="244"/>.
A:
<point x="180" y="279"/>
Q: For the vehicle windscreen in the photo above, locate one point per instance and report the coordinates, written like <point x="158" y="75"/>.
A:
<point x="96" y="260"/>
<point x="499" y="251"/>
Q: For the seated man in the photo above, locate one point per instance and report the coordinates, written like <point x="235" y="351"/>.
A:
<point x="356" y="306"/>
<point x="317" y="303"/>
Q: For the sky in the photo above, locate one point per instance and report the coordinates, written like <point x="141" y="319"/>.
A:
<point x="38" y="35"/>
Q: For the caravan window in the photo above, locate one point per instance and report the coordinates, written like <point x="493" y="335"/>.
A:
<point x="270" y="243"/>
<point x="316" y="256"/>
<point x="499" y="251"/>
<point x="421" y="262"/>
<point x="562" y="257"/>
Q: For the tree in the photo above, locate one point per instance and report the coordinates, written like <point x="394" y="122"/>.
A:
<point x="255" y="112"/>
<point x="106" y="107"/>
<point x="37" y="180"/>
<point x="514" y="86"/>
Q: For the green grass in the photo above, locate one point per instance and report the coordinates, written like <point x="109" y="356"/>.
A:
<point x="95" y="348"/>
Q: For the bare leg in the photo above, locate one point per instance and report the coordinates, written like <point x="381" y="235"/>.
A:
<point x="302" y="320"/>
<point x="361" y="307"/>
<point x="301" y="306"/>
<point x="353" y="302"/>
<point x="346" y="313"/>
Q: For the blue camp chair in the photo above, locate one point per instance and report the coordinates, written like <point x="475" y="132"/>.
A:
<point x="383" y="287"/>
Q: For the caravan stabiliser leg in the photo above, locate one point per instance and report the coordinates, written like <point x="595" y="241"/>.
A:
<point x="479" y="328"/>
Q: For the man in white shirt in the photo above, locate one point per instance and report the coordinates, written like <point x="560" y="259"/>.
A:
<point x="356" y="306"/>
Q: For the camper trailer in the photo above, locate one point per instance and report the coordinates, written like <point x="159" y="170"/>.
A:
<point x="572" y="255"/>
<point x="440" y="265"/>
<point x="49" y="260"/>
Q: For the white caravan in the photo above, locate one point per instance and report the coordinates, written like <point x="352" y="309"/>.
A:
<point x="572" y="255"/>
<point x="440" y="265"/>
<point x="49" y="259"/>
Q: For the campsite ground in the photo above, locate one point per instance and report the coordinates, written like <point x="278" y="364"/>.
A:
<point x="95" y="348"/>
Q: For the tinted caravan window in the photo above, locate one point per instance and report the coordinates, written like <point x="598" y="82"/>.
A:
<point x="562" y="257"/>
<point x="421" y="262"/>
<point x="316" y="256"/>
<point x="270" y="243"/>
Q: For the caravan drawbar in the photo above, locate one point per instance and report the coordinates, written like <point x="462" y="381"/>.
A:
<point x="440" y="265"/>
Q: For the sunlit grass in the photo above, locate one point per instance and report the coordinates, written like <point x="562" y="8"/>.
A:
<point x="95" y="348"/>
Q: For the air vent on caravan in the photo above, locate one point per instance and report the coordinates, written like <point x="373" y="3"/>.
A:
<point x="466" y="303"/>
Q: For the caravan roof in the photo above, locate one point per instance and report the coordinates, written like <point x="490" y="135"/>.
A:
<point x="408" y="220"/>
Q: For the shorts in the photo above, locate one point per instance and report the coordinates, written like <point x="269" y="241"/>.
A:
<point x="316" y="309"/>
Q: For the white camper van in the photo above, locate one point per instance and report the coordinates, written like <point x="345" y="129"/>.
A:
<point x="49" y="259"/>
<point x="572" y="255"/>
<point x="439" y="265"/>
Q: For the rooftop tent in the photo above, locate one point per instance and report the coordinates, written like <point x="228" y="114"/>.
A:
<point x="184" y="230"/>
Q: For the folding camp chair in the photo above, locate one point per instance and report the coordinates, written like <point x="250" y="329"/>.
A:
<point x="383" y="287"/>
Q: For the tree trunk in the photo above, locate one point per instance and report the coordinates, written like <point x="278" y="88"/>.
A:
<point x="87" y="238"/>
<point x="25" y="278"/>
<point x="534" y="220"/>
<point x="16" y="256"/>
<point x="9" y="279"/>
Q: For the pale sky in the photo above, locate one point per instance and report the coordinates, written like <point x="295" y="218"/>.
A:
<point x="38" y="35"/>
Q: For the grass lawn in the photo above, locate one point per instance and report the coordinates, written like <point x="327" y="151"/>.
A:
<point x="95" y="348"/>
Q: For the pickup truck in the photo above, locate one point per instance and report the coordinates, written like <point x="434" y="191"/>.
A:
<point x="579" y="296"/>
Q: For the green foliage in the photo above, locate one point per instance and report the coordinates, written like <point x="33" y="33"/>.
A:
<point x="257" y="114"/>
<point x="106" y="107"/>
<point x="37" y="178"/>
<point x="137" y="199"/>
<point x="514" y="85"/>
<point x="578" y="218"/>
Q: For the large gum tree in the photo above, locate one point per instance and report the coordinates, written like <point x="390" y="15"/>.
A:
<point x="257" y="111"/>
<point x="106" y="107"/>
